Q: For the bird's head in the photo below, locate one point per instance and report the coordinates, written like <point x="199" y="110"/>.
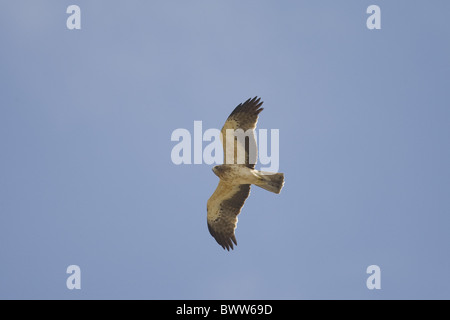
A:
<point x="217" y="170"/>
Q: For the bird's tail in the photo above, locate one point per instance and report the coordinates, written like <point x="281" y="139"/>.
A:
<point x="270" y="181"/>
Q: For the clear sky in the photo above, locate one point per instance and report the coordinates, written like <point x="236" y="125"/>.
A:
<point x="86" y="176"/>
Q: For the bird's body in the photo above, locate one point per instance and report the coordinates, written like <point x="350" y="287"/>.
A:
<point x="237" y="176"/>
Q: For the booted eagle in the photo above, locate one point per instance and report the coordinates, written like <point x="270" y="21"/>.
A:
<point x="237" y="173"/>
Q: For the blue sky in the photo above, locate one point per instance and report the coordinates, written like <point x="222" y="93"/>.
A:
<point x="86" y="176"/>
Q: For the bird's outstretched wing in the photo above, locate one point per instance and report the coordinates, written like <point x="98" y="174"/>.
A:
<point x="244" y="117"/>
<point x="223" y="208"/>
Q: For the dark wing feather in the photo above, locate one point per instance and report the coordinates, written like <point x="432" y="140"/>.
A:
<point x="245" y="117"/>
<point x="223" y="208"/>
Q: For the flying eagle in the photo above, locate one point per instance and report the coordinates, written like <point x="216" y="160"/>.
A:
<point x="237" y="173"/>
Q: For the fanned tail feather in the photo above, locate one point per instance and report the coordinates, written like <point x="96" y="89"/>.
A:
<point x="270" y="181"/>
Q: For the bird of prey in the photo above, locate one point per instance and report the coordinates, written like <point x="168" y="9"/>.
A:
<point x="237" y="173"/>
